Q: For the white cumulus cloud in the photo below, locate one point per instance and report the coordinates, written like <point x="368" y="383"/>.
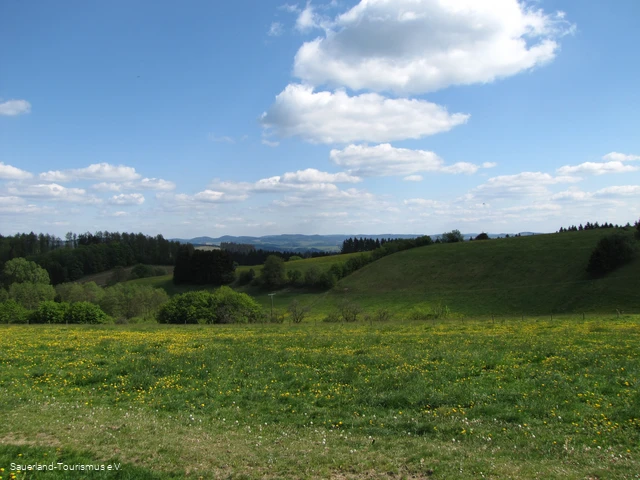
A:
<point x="386" y="160"/>
<point x="597" y="168"/>
<point x="336" y="117"/>
<point x="97" y="171"/>
<point x="620" y="157"/>
<point x="9" y="172"/>
<point x="419" y="46"/>
<point x="11" y="108"/>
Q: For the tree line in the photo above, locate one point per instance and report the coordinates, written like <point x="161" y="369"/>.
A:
<point x="592" y="226"/>
<point x="84" y="254"/>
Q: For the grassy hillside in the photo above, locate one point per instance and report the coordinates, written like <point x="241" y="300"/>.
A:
<point x="102" y="278"/>
<point x="525" y="275"/>
<point x="322" y="263"/>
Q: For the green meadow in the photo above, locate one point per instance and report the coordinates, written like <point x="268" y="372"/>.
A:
<point x="439" y="399"/>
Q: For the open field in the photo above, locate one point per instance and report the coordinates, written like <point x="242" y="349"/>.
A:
<point x="514" y="399"/>
<point x="536" y="275"/>
<point x="102" y="278"/>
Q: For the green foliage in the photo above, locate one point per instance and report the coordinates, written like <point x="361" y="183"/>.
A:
<point x="12" y="312"/>
<point x="49" y="312"/>
<point x="482" y="236"/>
<point x="199" y="267"/>
<point x="222" y="306"/>
<point x="246" y="277"/>
<point x="453" y="236"/>
<point x="273" y="272"/>
<point x="296" y="278"/>
<point x="118" y="275"/>
<point x="86" y="313"/>
<point x="79" y="292"/>
<point x="332" y="317"/>
<point x="29" y="295"/>
<point x="637" y="230"/>
<point x="20" y="270"/>
<point x="294" y="258"/>
<point x="128" y="300"/>
<point x="146" y="271"/>
<point x="610" y="253"/>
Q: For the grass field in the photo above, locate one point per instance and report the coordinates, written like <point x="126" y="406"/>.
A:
<point x="472" y="399"/>
<point x="102" y="278"/>
<point x="536" y="275"/>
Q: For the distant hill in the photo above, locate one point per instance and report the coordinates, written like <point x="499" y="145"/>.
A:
<point x="290" y="243"/>
<point x="539" y="274"/>
<point x="309" y="243"/>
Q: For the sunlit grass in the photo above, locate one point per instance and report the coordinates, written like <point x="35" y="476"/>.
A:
<point x="444" y="399"/>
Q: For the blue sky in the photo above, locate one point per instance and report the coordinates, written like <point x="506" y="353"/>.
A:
<point x="260" y="117"/>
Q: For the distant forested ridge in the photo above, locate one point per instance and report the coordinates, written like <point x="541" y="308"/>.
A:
<point x="84" y="254"/>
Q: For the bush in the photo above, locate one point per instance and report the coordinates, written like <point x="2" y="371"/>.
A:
<point x="86" y="313"/>
<point x="349" y="311"/>
<point x="610" y="253"/>
<point x="246" y="277"/>
<point x="297" y="311"/>
<point x="295" y="278"/>
<point x="333" y="317"/>
<point x="294" y="258"/>
<point x="482" y="236"/>
<point x="12" y="312"/>
<point x="222" y="306"/>
<point x="49" y="312"/>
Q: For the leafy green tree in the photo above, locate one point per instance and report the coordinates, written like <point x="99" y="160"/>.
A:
<point x="86" y="313"/>
<point x="223" y="306"/>
<point x="79" y="292"/>
<point x="20" y="270"/>
<point x="29" y="295"/>
<point x="611" y="252"/>
<point x="50" y="312"/>
<point x="294" y="258"/>
<point x="273" y="272"/>
<point x="482" y="236"/>
<point x="453" y="236"/>
<point x="12" y="312"/>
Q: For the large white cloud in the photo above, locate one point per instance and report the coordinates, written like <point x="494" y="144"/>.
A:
<point x="386" y="160"/>
<point x="336" y="117"/>
<point x="418" y="46"/>
<point x="9" y="172"/>
<point x="96" y="171"/>
<point x="11" y="108"/>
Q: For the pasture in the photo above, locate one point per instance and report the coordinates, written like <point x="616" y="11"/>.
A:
<point x="437" y="399"/>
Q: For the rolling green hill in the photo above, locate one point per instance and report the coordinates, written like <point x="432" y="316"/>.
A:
<point x="534" y="275"/>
